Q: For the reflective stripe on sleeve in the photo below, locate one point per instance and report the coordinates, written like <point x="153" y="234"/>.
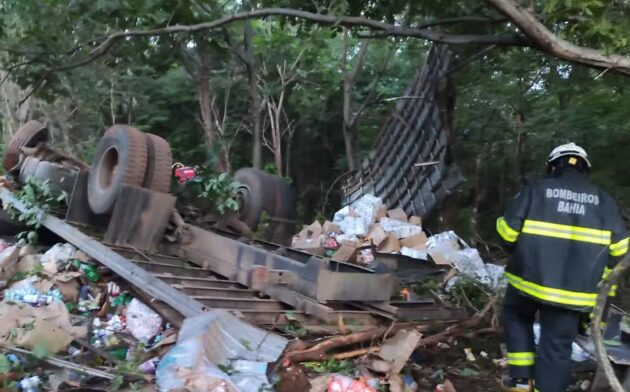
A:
<point x="573" y="233"/>
<point x="505" y="231"/>
<point x="550" y="294"/>
<point x="619" y="248"/>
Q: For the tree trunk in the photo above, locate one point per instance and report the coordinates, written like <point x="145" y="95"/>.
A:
<point x="205" y="103"/>
<point x="520" y="146"/>
<point x="252" y="89"/>
<point x="348" y="128"/>
<point x="224" y="160"/>
<point x="349" y="137"/>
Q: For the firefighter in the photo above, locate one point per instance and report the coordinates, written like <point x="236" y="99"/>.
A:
<point x="564" y="235"/>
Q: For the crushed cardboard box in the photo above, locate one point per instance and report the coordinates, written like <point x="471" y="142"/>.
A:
<point x="310" y="239"/>
<point x="346" y="253"/>
<point x="376" y="235"/>
<point x="397" y="214"/>
<point x="389" y="245"/>
<point x="8" y="261"/>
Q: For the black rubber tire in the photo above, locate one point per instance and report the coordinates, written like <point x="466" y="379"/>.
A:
<point x="120" y="158"/>
<point x="29" y="135"/>
<point x="159" y="164"/>
<point x="258" y="189"/>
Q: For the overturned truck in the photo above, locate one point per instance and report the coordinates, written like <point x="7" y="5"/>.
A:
<point x="121" y="213"/>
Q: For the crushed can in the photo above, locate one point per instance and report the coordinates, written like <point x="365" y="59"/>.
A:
<point x="184" y="173"/>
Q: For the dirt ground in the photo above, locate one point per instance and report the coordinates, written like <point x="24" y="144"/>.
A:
<point x="482" y="375"/>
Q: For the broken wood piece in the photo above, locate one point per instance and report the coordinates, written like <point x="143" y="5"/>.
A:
<point x="399" y="348"/>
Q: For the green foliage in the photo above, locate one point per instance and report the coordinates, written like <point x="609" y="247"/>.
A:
<point x="221" y="191"/>
<point x="227" y="369"/>
<point x="38" y="199"/>
<point x="425" y="287"/>
<point x="468" y="372"/>
<point x="5" y="364"/>
<point x="41" y="350"/>
<point x="470" y="294"/>
<point x="294" y="327"/>
<point x="331" y="366"/>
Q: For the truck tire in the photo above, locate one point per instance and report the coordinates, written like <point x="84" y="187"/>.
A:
<point x="29" y="135"/>
<point x="120" y="158"/>
<point x="159" y="164"/>
<point x="256" y="195"/>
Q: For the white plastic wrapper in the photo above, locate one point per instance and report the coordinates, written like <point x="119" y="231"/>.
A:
<point x="341" y="214"/>
<point x="468" y="262"/>
<point x="354" y="226"/>
<point x="398" y="228"/>
<point x="142" y="321"/>
<point x="577" y="354"/>
<point x="447" y="239"/>
<point x="216" y="338"/>
<point x="367" y="206"/>
<point x="346" y="238"/>
<point x="496" y="278"/>
<point x="59" y="253"/>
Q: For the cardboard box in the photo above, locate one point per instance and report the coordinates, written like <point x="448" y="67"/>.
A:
<point x="438" y="258"/>
<point x="330" y="228"/>
<point x="389" y="245"/>
<point x="397" y="214"/>
<point x="380" y="213"/>
<point x="377" y="235"/>
<point x="415" y="220"/>
<point x="417" y="241"/>
<point x="310" y="239"/>
<point x="347" y="254"/>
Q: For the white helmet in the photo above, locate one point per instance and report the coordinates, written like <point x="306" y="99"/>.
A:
<point x="569" y="149"/>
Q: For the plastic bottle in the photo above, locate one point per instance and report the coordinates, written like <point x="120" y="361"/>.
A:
<point x="119" y="353"/>
<point x="30" y="384"/>
<point x="90" y="273"/>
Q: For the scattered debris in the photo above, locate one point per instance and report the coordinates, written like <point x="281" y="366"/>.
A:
<point x="217" y="350"/>
<point x="63" y="309"/>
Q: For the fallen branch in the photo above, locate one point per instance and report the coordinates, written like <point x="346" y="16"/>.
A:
<point x="598" y="314"/>
<point x="356" y="353"/>
<point x="458" y="328"/>
<point x="319" y="351"/>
